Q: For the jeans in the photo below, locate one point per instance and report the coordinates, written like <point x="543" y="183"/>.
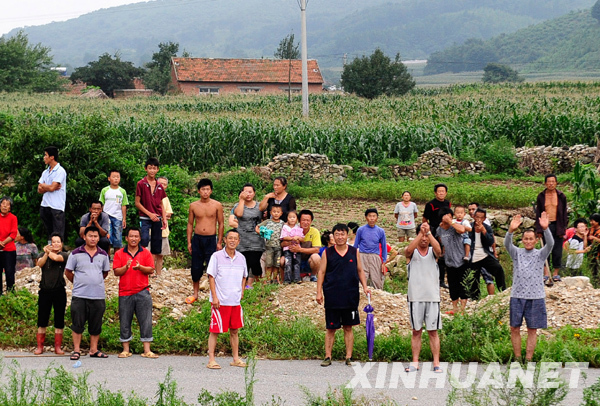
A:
<point x="116" y="232"/>
<point x="292" y="267"/>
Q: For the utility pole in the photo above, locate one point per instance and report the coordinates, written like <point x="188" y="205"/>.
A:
<point x="304" y="61"/>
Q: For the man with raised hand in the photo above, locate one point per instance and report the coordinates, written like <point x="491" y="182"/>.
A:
<point x="527" y="296"/>
<point x="424" y="295"/>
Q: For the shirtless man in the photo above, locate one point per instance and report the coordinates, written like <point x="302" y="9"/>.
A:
<point x="204" y="215"/>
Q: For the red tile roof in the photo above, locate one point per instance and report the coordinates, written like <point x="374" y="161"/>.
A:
<point x="243" y="70"/>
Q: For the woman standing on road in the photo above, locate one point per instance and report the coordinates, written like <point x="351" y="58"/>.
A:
<point x="279" y="196"/>
<point x="8" y="249"/>
<point x="252" y="245"/>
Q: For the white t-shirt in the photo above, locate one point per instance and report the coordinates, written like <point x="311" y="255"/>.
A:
<point x="228" y="273"/>
<point x="113" y="201"/>
<point x="406" y="215"/>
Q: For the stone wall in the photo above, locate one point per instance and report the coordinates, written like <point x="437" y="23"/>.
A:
<point x="299" y="166"/>
<point x="543" y="160"/>
<point x="436" y="162"/>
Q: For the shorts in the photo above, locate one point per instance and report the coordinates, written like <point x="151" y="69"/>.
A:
<point x="140" y="305"/>
<point x="487" y="277"/>
<point x="225" y="318"/>
<point x="165" y="248"/>
<point x="116" y="232"/>
<point x="253" y="263"/>
<point x="427" y="313"/>
<point x="534" y="311"/>
<point x="272" y="257"/>
<point x="203" y="246"/>
<point x="408" y="233"/>
<point x="336" y="318"/>
<point x="90" y="310"/>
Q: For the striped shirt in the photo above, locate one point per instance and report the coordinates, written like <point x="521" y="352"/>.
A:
<point x="228" y="273"/>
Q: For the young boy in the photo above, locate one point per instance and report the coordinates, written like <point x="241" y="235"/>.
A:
<point x="578" y="245"/>
<point x="227" y="273"/>
<point x="205" y="215"/>
<point x="149" y="195"/>
<point x="459" y="213"/>
<point x="114" y="199"/>
<point x="527" y="296"/>
<point x="272" y="233"/>
<point x="165" y="247"/>
<point x="369" y="239"/>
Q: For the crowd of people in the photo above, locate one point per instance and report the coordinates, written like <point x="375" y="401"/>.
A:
<point x="270" y="239"/>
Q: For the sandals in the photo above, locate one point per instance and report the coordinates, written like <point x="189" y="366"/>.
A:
<point x="238" y="363"/>
<point x="190" y="299"/>
<point x="213" y="365"/>
<point x="75" y="356"/>
<point x="556" y="278"/>
<point x="411" y="368"/>
<point x="98" y="354"/>
<point x="437" y="370"/>
<point x="125" y="354"/>
<point x="149" y="354"/>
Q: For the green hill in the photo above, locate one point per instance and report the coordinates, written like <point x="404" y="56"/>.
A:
<point x="570" y="42"/>
<point x="253" y="28"/>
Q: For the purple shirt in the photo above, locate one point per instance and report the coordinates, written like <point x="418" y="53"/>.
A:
<point x="151" y="201"/>
<point x="368" y="239"/>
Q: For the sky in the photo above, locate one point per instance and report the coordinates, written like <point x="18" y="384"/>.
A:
<point x="22" y="13"/>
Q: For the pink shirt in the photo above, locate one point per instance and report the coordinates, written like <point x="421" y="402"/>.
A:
<point x="288" y="231"/>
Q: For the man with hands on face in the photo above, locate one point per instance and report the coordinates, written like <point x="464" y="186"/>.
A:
<point x="424" y="295"/>
<point x="95" y="218"/>
<point x="133" y="264"/>
<point x="527" y="296"/>
<point x="482" y="254"/>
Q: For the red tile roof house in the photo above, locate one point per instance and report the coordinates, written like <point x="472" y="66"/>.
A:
<point x="196" y="76"/>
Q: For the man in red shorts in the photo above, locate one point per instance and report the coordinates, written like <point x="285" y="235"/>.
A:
<point x="227" y="274"/>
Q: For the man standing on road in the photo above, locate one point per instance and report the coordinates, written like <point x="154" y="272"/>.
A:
<point x="340" y="273"/>
<point x="554" y="203"/>
<point x="205" y="215"/>
<point x="132" y="264"/>
<point x="227" y="273"/>
<point x="424" y="295"/>
<point x="86" y="268"/>
<point x="432" y="217"/>
<point x="53" y="186"/>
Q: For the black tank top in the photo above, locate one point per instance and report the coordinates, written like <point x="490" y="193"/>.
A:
<point x="340" y="286"/>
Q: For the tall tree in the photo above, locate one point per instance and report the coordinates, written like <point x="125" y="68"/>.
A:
<point x="158" y="74"/>
<point x="287" y="50"/>
<point x="376" y="75"/>
<point x="596" y="11"/>
<point x="26" y="67"/>
<point x="108" y="73"/>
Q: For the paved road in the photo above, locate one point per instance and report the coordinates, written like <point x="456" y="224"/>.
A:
<point x="283" y="379"/>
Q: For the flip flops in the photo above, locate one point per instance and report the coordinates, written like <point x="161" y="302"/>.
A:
<point x="190" y="299"/>
<point x="98" y="354"/>
<point x="411" y="368"/>
<point x="213" y="365"/>
<point x="125" y="354"/>
<point x="149" y="354"/>
<point x="437" y="370"/>
<point x="238" y="363"/>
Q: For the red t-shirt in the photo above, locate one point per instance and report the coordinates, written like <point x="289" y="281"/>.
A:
<point x="132" y="281"/>
<point x="151" y="201"/>
<point x="8" y="227"/>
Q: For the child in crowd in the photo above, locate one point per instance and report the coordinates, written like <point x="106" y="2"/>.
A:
<point x="578" y="245"/>
<point x="353" y="228"/>
<point x="271" y="229"/>
<point x="114" y="201"/>
<point x="459" y="213"/>
<point x="369" y="240"/>
<point x="293" y="233"/>
<point x="165" y="247"/>
<point x="405" y="213"/>
<point x="27" y="251"/>
<point x="326" y="241"/>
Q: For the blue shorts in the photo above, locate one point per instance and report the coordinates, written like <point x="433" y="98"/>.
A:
<point x="534" y="311"/>
<point x="116" y="232"/>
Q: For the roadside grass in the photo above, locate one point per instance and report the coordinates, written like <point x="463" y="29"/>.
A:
<point x="480" y="337"/>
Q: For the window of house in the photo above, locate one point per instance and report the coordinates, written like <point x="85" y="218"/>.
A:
<point x="208" y="90"/>
<point x="250" y="89"/>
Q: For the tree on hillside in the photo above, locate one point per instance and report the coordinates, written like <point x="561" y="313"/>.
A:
<point x="288" y="50"/>
<point x="372" y="76"/>
<point x="25" y="67"/>
<point x="108" y="73"/>
<point x="497" y="73"/>
<point x="158" y="73"/>
<point x="596" y="11"/>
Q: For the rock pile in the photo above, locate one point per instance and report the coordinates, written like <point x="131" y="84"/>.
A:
<point x="544" y="160"/>
<point x="313" y="166"/>
<point x="436" y="162"/>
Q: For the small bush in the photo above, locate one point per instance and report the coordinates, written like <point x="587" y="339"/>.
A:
<point x="499" y="157"/>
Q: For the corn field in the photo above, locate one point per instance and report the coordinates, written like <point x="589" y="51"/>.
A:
<point x="204" y="133"/>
